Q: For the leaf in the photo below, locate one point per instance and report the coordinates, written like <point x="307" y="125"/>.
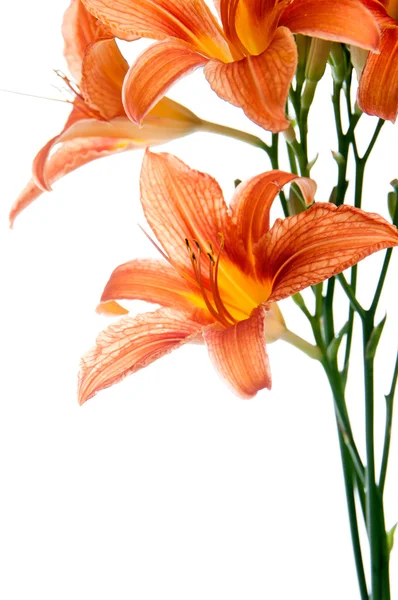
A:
<point x="334" y="345"/>
<point x="390" y="538"/>
<point x="374" y="339"/>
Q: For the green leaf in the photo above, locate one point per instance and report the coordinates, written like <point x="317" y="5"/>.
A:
<point x="390" y="538"/>
<point x="373" y="342"/>
<point x="334" y="345"/>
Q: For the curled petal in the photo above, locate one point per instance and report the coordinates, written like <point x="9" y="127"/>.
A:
<point x="259" y="84"/>
<point x="131" y="344"/>
<point x="252" y="201"/>
<point x="324" y="240"/>
<point x="379" y="12"/>
<point x="239" y="354"/>
<point x="111" y="308"/>
<point x="88" y="139"/>
<point x="188" y="20"/>
<point x="250" y="24"/>
<point x="155" y="70"/>
<point x="66" y="159"/>
<point x="152" y="281"/>
<point x="345" y="21"/>
<point x="378" y="86"/>
<point x="180" y="203"/>
<point x="79" y="29"/>
<point x="103" y="72"/>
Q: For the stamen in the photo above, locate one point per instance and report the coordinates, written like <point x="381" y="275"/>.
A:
<point x="197" y="270"/>
<point x="214" y="283"/>
<point x="79" y="102"/>
<point x="34" y="96"/>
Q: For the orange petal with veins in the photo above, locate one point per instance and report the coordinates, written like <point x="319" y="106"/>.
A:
<point x="39" y="162"/>
<point x="259" y="84"/>
<point x="70" y="156"/>
<point x="188" y="20"/>
<point x="103" y="72"/>
<point x="250" y="24"/>
<point x="324" y="240"/>
<point x="88" y="139"/>
<point x="180" y="203"/>
<point x="152" y="281"/>
<point x="378" y="86"/>
<point x="379" y="12"/>
<point x="251" y="204"/>
<point x="239" y="354"/>
<point x="154" y="71"/>
<point x="345" y="21"/>
<point x="79" y="29"/>
<point x="131" y="344"/>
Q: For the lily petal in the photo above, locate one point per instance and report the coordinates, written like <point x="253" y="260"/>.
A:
<point x="187" y="20"/>
<point x="251" y="204"/>
<point x="131" y="344"/>
<point x="103" y="72"/>
<point x="345" y="21"/>
<point x="67" y="158"/>
<point x="378" y="86"/>
<point x="324" y="240"/>
<point x="259" y="84"/>
<point x="250" y="24"/>
<point x="79" y="29"/>
<point x="152" y="281"/>
<point x="379" y="12"/>
<point x="239" y="354"/>
<point x="154" y="71"/>
<point x="38" y="171"/>
<point x="180" y="203"/>
<point x="111" y="308"/>
<point x="88" y="139"/>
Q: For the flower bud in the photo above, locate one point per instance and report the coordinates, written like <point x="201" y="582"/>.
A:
<point x="338" y="62"/>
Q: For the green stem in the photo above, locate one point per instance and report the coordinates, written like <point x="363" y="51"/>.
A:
<point x="236" y="134"/>
<point x="349" y="479"/>
<point x="274" y="158"/>
<point x="351" y="295"/>
<point x="387" y="434"/>
<point x="372" y="493"/>
<point x="298" y="342"/>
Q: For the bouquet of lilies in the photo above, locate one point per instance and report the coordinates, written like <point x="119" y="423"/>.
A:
<point x="223" y="267"/>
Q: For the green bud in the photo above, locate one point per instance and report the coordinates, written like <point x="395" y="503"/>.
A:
<point x="317" y="58"/>
<point x="338" y="62"/>
<point x="296" y="201"/>
<point x="392" y="204"/>
<point x="339" y="158"/>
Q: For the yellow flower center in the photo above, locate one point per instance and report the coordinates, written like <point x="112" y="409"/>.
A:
<point x="229" y="294"/>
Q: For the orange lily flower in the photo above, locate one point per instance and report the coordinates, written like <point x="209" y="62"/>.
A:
<point x="378" y="84"/>
<point x="222" y="273"/>
<point x="250" y="61"/>
<point x="98" y="125"/>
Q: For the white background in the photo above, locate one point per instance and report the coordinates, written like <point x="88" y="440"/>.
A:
<point x="165" y="485"/>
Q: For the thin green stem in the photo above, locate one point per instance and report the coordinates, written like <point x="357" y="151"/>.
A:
<point x="387" y="434"/>
<point x="381" y="281"/>
<point x="372" y="493"/>
<point x="349" y="479"/>
<point x="236" y="134"/>
<point x="274" y="158"/>
<point x="351" y="296"/>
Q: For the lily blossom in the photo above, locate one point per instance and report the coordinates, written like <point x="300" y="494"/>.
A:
<point x="222" y="272"/>
<point x="378" y="83"/>
<point x="249" y="61"/>
<point x="98" y="125"/>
